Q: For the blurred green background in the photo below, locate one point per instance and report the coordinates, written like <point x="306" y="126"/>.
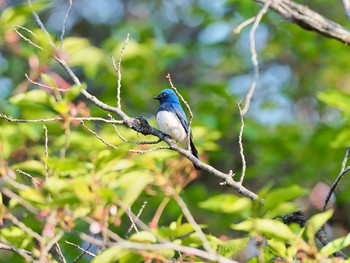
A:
<point x="296" y="130"/>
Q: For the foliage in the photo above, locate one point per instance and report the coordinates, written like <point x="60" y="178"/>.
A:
<point x="295" y="135"/>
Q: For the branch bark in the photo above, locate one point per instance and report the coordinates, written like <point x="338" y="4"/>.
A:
<point x="309" y="19"/>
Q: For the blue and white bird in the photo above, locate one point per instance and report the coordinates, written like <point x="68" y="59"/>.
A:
<point x="172" y="120"/>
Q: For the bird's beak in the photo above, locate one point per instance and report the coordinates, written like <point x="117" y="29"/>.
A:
<point x="156" y="97"/>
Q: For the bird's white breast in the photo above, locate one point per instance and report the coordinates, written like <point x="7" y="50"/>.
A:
<point x="170" y="124"/>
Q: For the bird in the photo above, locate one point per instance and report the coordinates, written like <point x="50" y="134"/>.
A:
<point x="172" y="120"/>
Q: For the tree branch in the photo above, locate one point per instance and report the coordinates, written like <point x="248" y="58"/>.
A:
<point x="309" y="19"/>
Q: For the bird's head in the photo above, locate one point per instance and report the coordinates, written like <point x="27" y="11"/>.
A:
<point x="167" y="95"/>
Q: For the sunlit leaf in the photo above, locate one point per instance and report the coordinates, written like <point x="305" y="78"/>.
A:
<point x="277" y="247"/>
<point x="336" y="98"/>
<point x="319" y="220"/>
<point x="226" y="203"/>
<point x="232" y="247"/>
<point x="336" y="245"/>
<point x="16" y="237"/>
<point x="143" y="237"/>
<point x="31" y="167"/>
<point x="267" y="227"/>
<point x="280" y="195"/>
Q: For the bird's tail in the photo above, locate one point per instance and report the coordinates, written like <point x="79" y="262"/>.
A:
<point x="195" y="153"/>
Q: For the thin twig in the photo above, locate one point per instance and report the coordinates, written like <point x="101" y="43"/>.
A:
<point x="98" y="136"/>
<point x="133" y="225"/>
<point x="254" y="56"/>
<point x="188" y="109"/>
<point x="191" y="220"/>
<point x="241" y="149"/>
<point x="40" y="24"/>
<point x="46" y="153"/>
<point x="11" y="119"/>
<point x="59" y="253"/>
<point x="118" y="69"/>
<point x="84" y="251"/>
<point x="342" y="172"/>
<point x="245" y="23"/>
<point x="24" y="227"/>
<point x="19" y="199"/>
<point x="22" y="252"/>
<point x="36" y="182"/>
<point x="64" y="26"/>
<point x="140" y="223"/>
<point x="27" y="39"/>
<point x="50" y="244"/>
<point x="150" y="150"/>
<point x="14" y="183"/>
<point x="43" y="85"/>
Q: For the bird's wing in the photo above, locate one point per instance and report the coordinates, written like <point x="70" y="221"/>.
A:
<point x="181" y="115"/>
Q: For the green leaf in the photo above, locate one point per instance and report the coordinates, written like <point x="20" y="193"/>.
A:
<point x="145" y="237"/>
<point x="175" y="230"/>
<point x="133" y="183"/>
<point x="280" y="195"/>
<point x="31" y="167"/>
<point x="277" y="247"/>
<point x="114" y="254"/>
<point x="33" y="97"/>
<point x="267" y="227"/>
<point x="33" y="195"/>
<point x="73" y="92"/>
<point x="281" y="209"/>
<point x="226" y="203"/>
<point x="336" y="245"/>
<point x="49" y="81"/>
<point x="232" y="247"/>
<point x="335" y="98"/>
<point x="319" y="220"/>
<point x="16" y="237"/>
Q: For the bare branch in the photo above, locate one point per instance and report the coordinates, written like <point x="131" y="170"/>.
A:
<point x="309" y="19"/>
<point x="85" y="251"/>
<point x="343" y="171"/>
<point x="36" y="182"/>
<point x="346" y="4"/>
<point x="254" y="56"/>
<point x="245" y="23"/>
<point x="11" y="119"/>
<point x="241" y="149"/>
<point x="193" y="223"/>
<point x="19" y="199"/>
<point x="150" y="150"/>
<point x="118" y="69"/>
<point x="43" y="85"/>
<point x="133" y="225"/>
<point x="27" y="39"/>
<point x="40" y="24"/>
<point x="46" y="153"/>
<point x="98" y="136"/>
<point x="59" y="253"/>
<point x="22" y="252"/>
<point x="26" y="229"/>
<point x="64" y="26"/>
